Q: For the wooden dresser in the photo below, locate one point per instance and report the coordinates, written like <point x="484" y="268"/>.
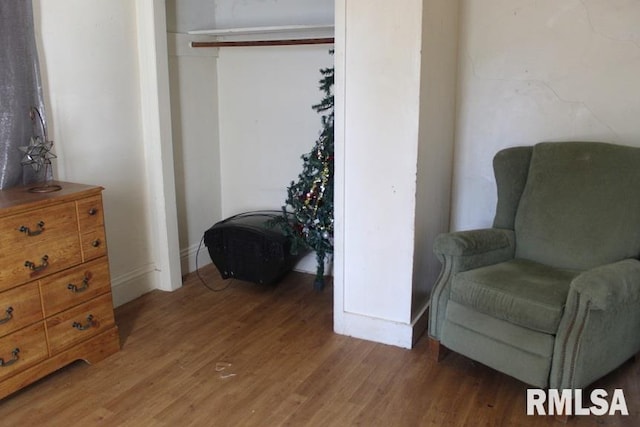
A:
<point x="55" y="290"/>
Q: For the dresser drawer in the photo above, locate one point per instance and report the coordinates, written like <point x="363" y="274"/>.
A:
<point x="94" y="244"/>
<point x="32" y="262"/>
<point x="22" y="349"/>
<point x="19" y="307"/>
<point x="37" y="227"/>
<point x="75" y="286"/>
<point x="79" y="323"/>
<point x="38" y="242"/>
<point x="90" y="215"/>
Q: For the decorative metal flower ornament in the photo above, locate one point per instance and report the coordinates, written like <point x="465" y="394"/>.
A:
<point x="38" y="154"/>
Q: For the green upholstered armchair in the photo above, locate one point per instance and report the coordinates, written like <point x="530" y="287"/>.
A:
<point x="551" y="294"/>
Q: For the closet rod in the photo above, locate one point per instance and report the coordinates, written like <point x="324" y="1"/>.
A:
<point x="249" y="43"/>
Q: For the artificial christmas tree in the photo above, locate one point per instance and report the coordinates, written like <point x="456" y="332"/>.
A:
<point x="310" y="199"/>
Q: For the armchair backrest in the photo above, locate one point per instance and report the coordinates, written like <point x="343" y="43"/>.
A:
<point x="576" y="205"/>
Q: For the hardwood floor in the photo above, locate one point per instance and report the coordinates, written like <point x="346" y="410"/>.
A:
<point x="267" y="356"/>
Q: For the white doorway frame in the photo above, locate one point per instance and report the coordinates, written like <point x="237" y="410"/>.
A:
<point x="158" y="141"/>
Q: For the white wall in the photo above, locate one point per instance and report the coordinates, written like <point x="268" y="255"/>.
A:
<point x="542" y="70"/>
<point x="250" y="13"/>
<point x="266" y="121"/>
<point x="186" y="15"/>
<point x="155" y="104"/>
<point x="196" y="145"/>
<point x="436" y="144"/>
<point x="194" y="117"/>
<point x="89" y="61"/>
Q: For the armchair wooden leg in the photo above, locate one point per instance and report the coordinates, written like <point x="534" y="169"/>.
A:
<point x="437" y="351"/>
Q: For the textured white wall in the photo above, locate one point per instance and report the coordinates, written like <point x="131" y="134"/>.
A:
<point x="541" y="70"/>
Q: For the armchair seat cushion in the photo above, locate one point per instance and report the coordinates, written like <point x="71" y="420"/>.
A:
<point x="519" y="291"/>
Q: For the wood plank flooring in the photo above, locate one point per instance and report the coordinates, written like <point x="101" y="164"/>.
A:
<point x="267" y="356"/>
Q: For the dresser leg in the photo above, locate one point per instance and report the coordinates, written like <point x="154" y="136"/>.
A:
<point x="92" y="351"/>
<point x="106" y="344"/>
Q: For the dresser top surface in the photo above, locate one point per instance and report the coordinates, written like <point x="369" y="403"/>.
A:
<point x="18" y="199"/>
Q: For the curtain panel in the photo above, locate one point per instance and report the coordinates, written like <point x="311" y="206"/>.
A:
<point x="20" y="90"/>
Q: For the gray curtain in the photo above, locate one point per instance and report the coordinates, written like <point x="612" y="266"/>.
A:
<point x="20" y="90"/>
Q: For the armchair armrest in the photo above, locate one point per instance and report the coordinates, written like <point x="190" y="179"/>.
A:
<point x="600" y="328"/>
<point x="473" y="242"/>
<point x="462" y="251"/>
<point x="609" y="285"/>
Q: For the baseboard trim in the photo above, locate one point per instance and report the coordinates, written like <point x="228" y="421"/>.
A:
<point x="420" y="323"/>
<point x="374" y="329"/>
<point x="309" y="263"/>
<point x="129" y="286"/>
<point x="188" y="258"/>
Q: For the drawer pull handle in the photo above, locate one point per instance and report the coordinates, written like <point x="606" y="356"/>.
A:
<point x="96" y="243"/>
<point x="79" y="326"/>
<point x="14" y="358"/>
<point x="92" y="211"/>
<point x="29" y="232"/>
<point x="33" y="267"/>
<point x="8" y="316"/>
<point x="85" y="285"/>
